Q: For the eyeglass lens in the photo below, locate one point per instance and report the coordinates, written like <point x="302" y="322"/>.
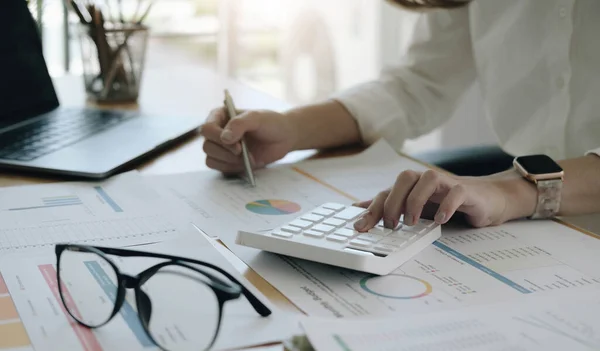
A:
<point x="185" y="311"/>
<point x="181" y="311"/>
<point x="90" y="286"/>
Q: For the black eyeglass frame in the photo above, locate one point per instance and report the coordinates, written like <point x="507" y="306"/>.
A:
<point x="224" y="291"/>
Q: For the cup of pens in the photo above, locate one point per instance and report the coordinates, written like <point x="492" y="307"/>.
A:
<point x="113" y="53"/>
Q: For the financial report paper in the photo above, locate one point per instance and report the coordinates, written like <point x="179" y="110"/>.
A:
<point x="566" y="323"/>
<point x="220" y="206"/>
<point x="120" y="211"/>
<point x="32" y="316"/>
<point x="465" y="267"/>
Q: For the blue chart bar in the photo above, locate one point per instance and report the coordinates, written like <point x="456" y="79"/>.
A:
<point x="127" y="312"/>
<point x="36" y="207"/>
<point x="482" y="268"/>
<point x="62" y="200"/>
<point x="58" y="201"/>
<point x="108" y="199"/>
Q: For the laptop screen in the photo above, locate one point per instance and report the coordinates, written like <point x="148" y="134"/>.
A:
<point x="26" y="89"/>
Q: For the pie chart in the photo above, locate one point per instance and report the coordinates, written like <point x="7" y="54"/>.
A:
<point x="273" y="207"/>
<point x="396" y="286"/>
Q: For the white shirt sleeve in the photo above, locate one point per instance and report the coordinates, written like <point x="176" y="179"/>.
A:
<point x="421" y="92"/>
<point x="595" y="151"/>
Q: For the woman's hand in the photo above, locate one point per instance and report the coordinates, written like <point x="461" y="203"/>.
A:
<point x="484" y="201"/>
<point x="268" y="135"/>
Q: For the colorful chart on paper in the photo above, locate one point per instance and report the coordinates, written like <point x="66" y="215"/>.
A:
<point x="273" y="207"/>
<point x="396" y="286"/>
<point x="12" y="331"/>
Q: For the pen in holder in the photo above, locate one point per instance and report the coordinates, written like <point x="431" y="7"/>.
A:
<point x="113" y="53"/>
<point x="113" y="61"/>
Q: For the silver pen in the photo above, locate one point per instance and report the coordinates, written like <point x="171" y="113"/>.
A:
<point x="231" y="111"/>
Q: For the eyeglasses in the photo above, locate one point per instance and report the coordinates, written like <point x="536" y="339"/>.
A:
<point x="185" y="293"/>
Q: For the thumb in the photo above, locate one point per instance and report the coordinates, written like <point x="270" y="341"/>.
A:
<point x="236" y="128"/>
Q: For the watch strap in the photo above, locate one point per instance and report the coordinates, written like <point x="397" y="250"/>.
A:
<point x="549" y="197"/>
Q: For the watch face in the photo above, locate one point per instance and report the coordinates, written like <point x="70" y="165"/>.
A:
<point x="538" y="164"/>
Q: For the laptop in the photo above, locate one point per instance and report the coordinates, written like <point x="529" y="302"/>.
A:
<point x="38" y="135"/>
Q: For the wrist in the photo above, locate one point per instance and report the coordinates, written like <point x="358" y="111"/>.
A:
<point x="520" y="194"/>
<point x="322" y="126"/>
<point x="294" y="120"/>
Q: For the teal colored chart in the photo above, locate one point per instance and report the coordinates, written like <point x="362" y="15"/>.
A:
<point x="273" y="207"/>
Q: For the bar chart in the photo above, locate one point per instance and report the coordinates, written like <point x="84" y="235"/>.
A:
<point x="12" y="330"/>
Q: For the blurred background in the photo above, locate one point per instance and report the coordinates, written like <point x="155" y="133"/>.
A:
<point x="297" y="50"/>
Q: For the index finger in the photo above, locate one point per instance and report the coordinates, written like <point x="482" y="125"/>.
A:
<point x="213" y="128"/>
<point x="217" y="116"/>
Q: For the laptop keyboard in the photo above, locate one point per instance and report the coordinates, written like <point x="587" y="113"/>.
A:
<point x="56" y="132"/>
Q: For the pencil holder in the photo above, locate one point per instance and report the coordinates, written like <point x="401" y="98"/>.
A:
<point x="113" y="61"/>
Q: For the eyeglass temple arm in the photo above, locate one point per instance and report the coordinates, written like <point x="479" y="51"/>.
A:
<point x="258" y="306"/>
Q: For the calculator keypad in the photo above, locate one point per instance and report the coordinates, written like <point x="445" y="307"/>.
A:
<point x="335" y="223"/>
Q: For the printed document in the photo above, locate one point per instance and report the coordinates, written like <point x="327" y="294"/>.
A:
<point x="121" y="210"/>
<point x="32" y="315"/>
<point x="116" y="197"/>
<point x="363" y="175"/>
<point x="545" y="324"/>
<point x="465" y="267"/>
<point x="220" y="206"/>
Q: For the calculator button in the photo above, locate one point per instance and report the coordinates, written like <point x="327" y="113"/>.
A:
<point x="358" y="252"/>
<point x="398" y="242"/>
<point x="380" y="231"/>
<point x="290" y="229"/>
<point x="416" y="229"/>
<point x="370" y="237"/>
<point x="350" y="225"/>
<point x="338" y="238"/>
<point x="386" y="248"/>
<point x="323" y="228"/>
<point x="426" y="222"/>
<point x="410" y="237"/>
<point x="313" y="233"/>
<point x="334" y="206"/>
<point x="360" y="243"/>
<point x="350" y="213"/>
<point x="323" y="212"/>
<point x="334" y="222"/>
<point x="345" y="232"/>
<point x="282" y="234"/>
<point x="406" y="236"/>
<point x="397" y="234"/>
<point x="311" y="217"/>
<point x="300" y="223"/>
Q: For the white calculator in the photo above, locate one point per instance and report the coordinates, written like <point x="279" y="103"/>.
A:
<point x="326" y="234"/>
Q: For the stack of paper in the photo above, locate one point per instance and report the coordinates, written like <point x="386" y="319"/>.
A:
<point x="446" y="295"/>
<point x="121" y="211"/>
<point x="32" y="315"/>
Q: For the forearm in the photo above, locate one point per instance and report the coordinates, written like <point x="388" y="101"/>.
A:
<point x="580" y="193"/>
<point x="323" y="125"/>
<point x="581" y="189"/>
